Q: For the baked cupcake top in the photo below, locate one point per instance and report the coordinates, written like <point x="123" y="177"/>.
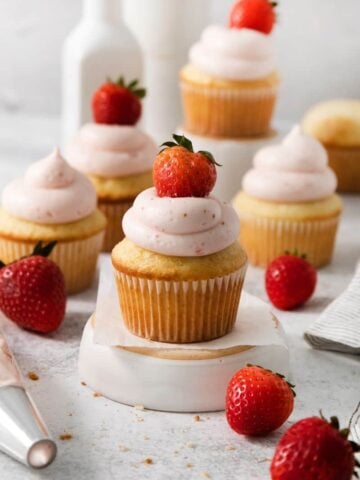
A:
<point x="111" y="150"/>
<point x="113" y="146"/>
<point x="335" y="122"/>
<point x="178" y="217"/>
<point x="234" y="54"/>
<point x="296" y="170"/>
<point x="51" y="192"/>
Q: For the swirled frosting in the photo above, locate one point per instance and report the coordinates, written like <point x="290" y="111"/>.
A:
<point x="51" y="192"/>
<point x="182" y="226"/>
<point x="111" y="150"/>
<point x="235" y="54"/>
<point x="296" y="170"/>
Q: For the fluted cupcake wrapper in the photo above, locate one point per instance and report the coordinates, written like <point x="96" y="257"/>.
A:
<point x="180" y="312"/>
<point x="227" y="112"/>
<point x="76" y="258"/>
<point x="114" y="212"/>
<point x="346" y="164"/>
<point x="264" y="239"/>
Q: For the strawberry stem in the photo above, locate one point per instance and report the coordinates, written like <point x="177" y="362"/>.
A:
<point x="182" y="141"/>
<point x="43" y="250"/>
<point x="132" y="86"/>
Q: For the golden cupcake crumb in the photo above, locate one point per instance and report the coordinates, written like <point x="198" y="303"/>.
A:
<point x="139" y="407"/>
<point x="33" y="376"/>
<point x="124" y="448"/>
<point x="83" y="384"/>
<point x="65" y="437"/>
<point x="97" y="394"/>
<point x="197" y="418"/>
<point x="148" y="461"/>
<point x="189" y="465"/>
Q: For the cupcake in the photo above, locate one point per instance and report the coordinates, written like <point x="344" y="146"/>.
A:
<point x="180" y="269"/>
<point x="114" y="153"/>
<point x="230" y="84"/>
<point x="288" y="202"/>
<point x="336" y="124"/>
<point x="53" y="202"/>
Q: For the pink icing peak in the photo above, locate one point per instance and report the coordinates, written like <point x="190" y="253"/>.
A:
<point x="236" y="54"/>
<point x="51" y="172"/>
<point x="51" y="192"/>
<point x="111" y="150"/>
<point x="295" y="170"/>
<point x="183" y="226"/>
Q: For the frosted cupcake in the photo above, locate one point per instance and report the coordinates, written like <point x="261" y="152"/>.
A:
<point x="180" y="269"/>
<point x="288" y="202"/>
<point x="53" y="202"/>
<point x="336" y="124"/>
<point x="230" y="85"/>
<point x="115" y="154"/>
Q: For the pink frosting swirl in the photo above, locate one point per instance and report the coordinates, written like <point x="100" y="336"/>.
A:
<point x="183" y="226"/>
<point x="111" y="150"/>
<point x="235" y="54"/>
<point x="296" y="170"/>
<point x="50" y="193"/>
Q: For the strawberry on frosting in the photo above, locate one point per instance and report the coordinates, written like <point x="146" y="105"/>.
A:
<point x="178" y="217"/>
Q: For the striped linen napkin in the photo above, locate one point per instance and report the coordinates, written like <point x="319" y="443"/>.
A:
<point x="338" y="327"/>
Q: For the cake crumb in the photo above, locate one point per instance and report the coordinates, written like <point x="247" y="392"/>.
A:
<point x="97" y="394"/>
<point x="70" y="414"/>
<point x="124" y="448"/>
<point x="139" y="407"/>
<point x="206" y="475"/>
<point x="230" y="447"/>
<point x="190" y="445"/>
<point x="189" y="465"/>
<point x="83" y="384"/>
<point x="65" y="436"/>
<point x="33" y="376"/>
<point x="197" y="418"/>
<point x="148" y="461"/>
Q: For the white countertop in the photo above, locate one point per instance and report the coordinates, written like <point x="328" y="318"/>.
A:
<point x="111" y="441"/>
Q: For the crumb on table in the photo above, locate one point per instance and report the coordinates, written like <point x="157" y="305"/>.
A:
<point x="148" y="461"/>
<point x="33" y="376"/>
<point x="197" y="418"/>
<point x="83" y="384"/>
<point x="65" y="436"/>
<point x="97" y="394"/>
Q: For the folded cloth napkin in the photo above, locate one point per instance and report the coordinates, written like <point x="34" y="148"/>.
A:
<point x="338" y="327"/>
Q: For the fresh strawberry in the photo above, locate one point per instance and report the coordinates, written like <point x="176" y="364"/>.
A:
<point x="314" y="449"/>
<point x="258" y="401"/>
<point x="32" y="291"/>
<point x="118" y="103"/>
<point x="180" y="172"/>
<point x="290" y="281"/>
<point x="254" y="14"/>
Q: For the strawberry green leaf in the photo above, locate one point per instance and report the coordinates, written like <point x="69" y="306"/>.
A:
<point x="133" y="84"/>
<point x="210" y="157"/>
<point x="139" y="92"/>
<point x="44" y="250"/>
<point x="2" y="264"/>
<point x="182" y="141"/>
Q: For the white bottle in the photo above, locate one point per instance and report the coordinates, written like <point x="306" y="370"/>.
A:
<point x="100" y="46"/>
<point x="165" y="29"/>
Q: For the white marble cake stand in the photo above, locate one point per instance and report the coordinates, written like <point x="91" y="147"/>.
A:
<point x="178" y="379"/>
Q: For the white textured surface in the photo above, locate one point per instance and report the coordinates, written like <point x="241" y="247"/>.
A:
<point x="103" y="431"/>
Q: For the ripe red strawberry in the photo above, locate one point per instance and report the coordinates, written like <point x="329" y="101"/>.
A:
<point x="254" y="14"/>
<point x="180" y="172"/>
<point x="118" y="103"/>
<point x="32" y="291"/>
<point x="258" y="401"/>
<point x="313" y="449"/>
<point x="290" y="281"/>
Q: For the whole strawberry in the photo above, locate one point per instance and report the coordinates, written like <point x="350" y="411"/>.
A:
<point x="32" y="291"/>
<point x="118" y="103"/>
<point x="290" y="281"/>
<point x="313" y="449"/>
<point x="258" y="401"/>
<point x="180" y="172"/>
<point x="254" y="14"/>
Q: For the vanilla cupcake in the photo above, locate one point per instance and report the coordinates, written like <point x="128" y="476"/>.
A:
<point x="288" y="202"/>
<point x="114" y="153"/>
<point x="53" y="202"/>
<point x="336" y="124"/>
<point x="180" y="269"/>
<point x="230" y="85"/>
